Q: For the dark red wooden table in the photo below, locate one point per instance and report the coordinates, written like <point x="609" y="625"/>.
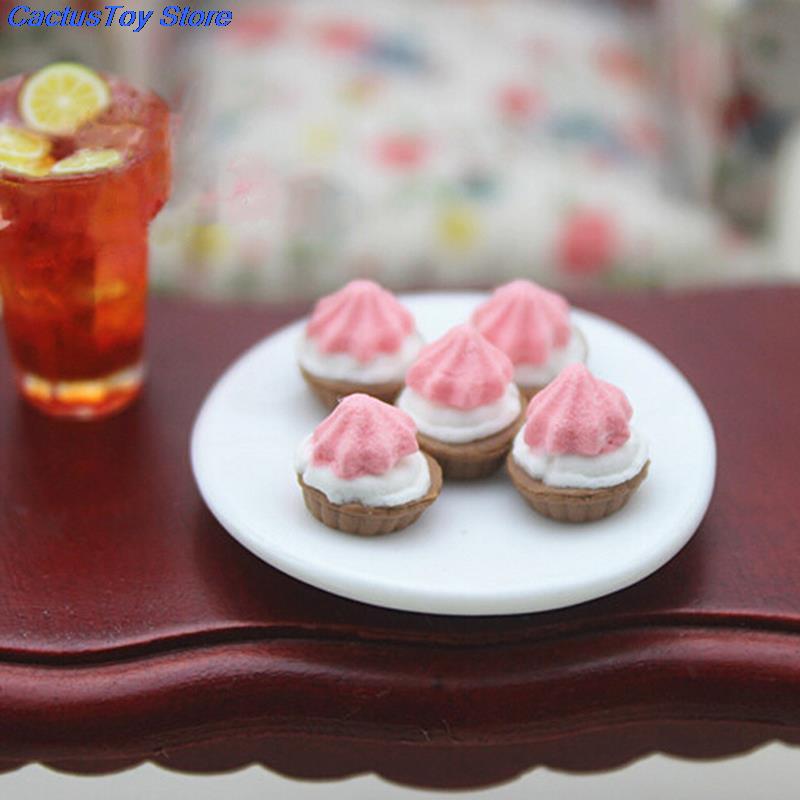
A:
<point x="133" y="627"/>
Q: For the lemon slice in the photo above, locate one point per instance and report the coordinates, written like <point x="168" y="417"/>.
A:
<point x="33" y="168"/>
<point x="87" y="160"/>
<point x="22" y="145"/>
<point x="60" y="98"/>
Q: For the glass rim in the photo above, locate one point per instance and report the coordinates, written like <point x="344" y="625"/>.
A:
<point x="10" y="178"/>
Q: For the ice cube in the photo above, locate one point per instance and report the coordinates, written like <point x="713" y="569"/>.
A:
<point x="124" y="137"/>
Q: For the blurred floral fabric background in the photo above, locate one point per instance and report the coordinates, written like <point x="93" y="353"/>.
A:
<point x="445" y="143"/>
<point x="437" y="143"/>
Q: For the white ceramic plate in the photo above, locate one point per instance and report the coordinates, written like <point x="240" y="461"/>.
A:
<point x="479" y="549"/>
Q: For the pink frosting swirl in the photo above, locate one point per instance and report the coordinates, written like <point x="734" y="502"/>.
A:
<point x="461" y="370"/>
<point x="578" y="414"/>
<point x="363" y="436"/>
<point x="525" y="321"/>
<point x="361" y="319"/>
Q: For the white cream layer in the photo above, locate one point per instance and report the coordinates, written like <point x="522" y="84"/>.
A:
<point x="573" y="352"/>
<point x="456" y="426"/>
<point x="384" y="368"/>
<point x="406" y="481"/>
<point x="583" y="472"/>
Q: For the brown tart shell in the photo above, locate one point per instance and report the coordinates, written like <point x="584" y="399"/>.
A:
<point x="330" y="392"/>
<point x="472" y="460"/>
<point x="572" y="505"/>
<point x="370" y="520"/>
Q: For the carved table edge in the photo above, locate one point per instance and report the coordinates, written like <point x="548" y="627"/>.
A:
<point x="527" y="695"/>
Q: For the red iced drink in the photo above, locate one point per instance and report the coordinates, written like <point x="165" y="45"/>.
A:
<point x="73" y="248"/>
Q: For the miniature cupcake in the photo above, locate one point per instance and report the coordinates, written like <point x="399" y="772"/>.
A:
<point x="577" y="459"/>
<point x="359" y="339"/>
<point x="467" y="409"/>
<point x="532" y="327"/>
<point x="362" y="472"/>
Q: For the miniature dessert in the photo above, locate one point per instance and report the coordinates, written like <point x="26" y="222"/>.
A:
<point x="359" y="339"/>
<point x="577" y="459"/>
<point x="467" y="409"/>
<point x="362" y="471"/>
<point x="532" y="327"/>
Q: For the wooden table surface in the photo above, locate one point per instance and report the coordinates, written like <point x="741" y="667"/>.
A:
<point x="133" y="627"/>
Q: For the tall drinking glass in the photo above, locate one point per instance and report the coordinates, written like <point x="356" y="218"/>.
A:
<point x="73" y="253"/>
